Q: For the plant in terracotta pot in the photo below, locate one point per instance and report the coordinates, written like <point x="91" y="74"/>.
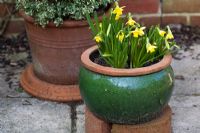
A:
<point x="58" y="34"/>
<point x="127" y="77"/>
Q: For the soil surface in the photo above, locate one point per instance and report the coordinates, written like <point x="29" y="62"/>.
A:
<point x="186" y="37"/>
<point x="14" y="51"/>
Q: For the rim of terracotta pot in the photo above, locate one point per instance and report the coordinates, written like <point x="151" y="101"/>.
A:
<point x="66" y="23"/>
<point x="87" y="63"/>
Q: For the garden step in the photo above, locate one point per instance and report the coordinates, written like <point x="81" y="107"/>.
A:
<point x="28" y="115"/>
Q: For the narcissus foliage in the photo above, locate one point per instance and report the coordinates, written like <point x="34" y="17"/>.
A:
<point x="124" y="43"/>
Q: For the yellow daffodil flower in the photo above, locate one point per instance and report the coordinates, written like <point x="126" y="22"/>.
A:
<point x="150" y="48"/>
<point x="131" y="22"/>
<point x="117" y="17"/>
<point x="138" y="32"/>
<point x="120" y="36"/>
<point x="169" y="34"/>
<point x="118" y="11"/>
<point x="161" y="32"/>
<point x="98" y="39"/>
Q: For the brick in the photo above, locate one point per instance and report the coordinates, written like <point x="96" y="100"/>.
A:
<point x="7" y="1"/>
<point x="171" y="6"/>
<point x="195" y="20"/>
<point x="140" y="6"/>
<point x="94" y="124"/>
<point x="3" y="10"/>
<point x="149" y="21"/>
<point x="159" y="125"/>
<point x="174" y="20"/>
<point x="15" y="26"/>
<point x="156" y="20"/>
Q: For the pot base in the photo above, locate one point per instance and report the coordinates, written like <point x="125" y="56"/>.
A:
<point x="44" y="90"/>
<point x="160" y="125"/>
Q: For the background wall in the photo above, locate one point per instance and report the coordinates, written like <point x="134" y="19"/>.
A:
<point x="8" y="22"/>
<point x="146" y="11"/>
<point x="165" y="11"/>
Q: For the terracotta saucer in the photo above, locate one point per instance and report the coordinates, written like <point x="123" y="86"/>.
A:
<point x="41" y="89"/>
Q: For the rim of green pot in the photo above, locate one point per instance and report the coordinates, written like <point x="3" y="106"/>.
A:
<point x="87" y="63"/>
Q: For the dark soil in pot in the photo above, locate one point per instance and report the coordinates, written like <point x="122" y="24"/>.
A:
<point x="97" y="58"/>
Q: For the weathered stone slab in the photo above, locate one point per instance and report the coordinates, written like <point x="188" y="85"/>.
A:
<point x="80" y="124"/>
<point x="33" y="116"/>
<point x="185" y="114"/>
<point x="187" y="72"/>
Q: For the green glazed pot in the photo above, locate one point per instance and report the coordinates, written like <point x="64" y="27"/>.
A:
<point x="125" y="96"/>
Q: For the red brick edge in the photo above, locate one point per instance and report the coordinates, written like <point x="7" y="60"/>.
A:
<point x="94" y="124"/>
<point x="159" y="125"/>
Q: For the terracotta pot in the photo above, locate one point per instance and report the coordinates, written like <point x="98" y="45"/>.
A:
<point x="56" y="51"/>
<point x="125" y="96"/>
